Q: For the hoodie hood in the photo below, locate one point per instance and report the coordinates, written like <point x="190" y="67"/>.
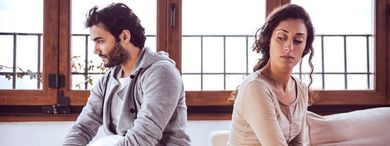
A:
<point x="147" y="57"/>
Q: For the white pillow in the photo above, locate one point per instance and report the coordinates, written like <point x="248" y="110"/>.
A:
<point x="219" y="138"/>
<point x="362" y="127"/>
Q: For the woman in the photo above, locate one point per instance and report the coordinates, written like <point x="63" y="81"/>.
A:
<point x="271" y="104"/>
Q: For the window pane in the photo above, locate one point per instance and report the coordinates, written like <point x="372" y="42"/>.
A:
<point x="358" y="82"/>
<point x="217" y="40"/>
<point x="213" y="55"/>
<point x="13" y="20"/>
<point x="317" y="82"/>
<point x="372" y="82"/>
<point x="86" y="73"/>
<point x="191" y="55"/>
<point x="334" y="82"/>
<point x="334" y="54"/>
<point x="233" y="81"/>
<point x="213" y="82"/>
<point x="21" y="42"/>
<point x="5" y="82"/>
<point x="236" y="50"/>
<point x="347" y="44"/>
<point x="191" y="82"/>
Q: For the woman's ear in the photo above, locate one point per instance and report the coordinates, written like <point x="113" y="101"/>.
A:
<point x="125" y="36"/>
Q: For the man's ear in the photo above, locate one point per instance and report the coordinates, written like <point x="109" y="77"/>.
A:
<point x="125" y="36"/>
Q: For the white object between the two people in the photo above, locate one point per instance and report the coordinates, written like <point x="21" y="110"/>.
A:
<point x="109" y="140"/>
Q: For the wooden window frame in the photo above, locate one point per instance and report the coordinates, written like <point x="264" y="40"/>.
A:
<point x="203" y="105"/>
<point x="47" y="95"/>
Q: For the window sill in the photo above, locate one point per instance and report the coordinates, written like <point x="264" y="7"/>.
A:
<point x="194" y="113"/>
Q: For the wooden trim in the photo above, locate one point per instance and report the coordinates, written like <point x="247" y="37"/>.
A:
<point x="31" y="118"/>
<point x="350" y="97"/>
<point x="169" y="39"/>
<point x="174" y="33"/>
<point x="27" y="97"/>
<point x="285" y="2"/>
<point x="77" y="98"/>
<point x="208" y="98"/>
<point x="271" y="5"/>
<point x="50" y="42"/>
<point x="386" y="24"/>
<point x="319" y="109"/>
<point x="64" y="43"/>
<point x="222" y="116"/>
<point x="162" y="25"/>
<point x="381" y="77"/>
<point x="50" y="63"/>
<point x="220" y="98"/>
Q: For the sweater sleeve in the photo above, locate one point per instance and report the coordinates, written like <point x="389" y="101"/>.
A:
<point x="162" y="87"/>
<point x="89" y="120"/>
<point x="257" y="108"/>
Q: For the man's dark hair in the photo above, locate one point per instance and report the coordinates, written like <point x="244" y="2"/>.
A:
<point x="115" y="18"/>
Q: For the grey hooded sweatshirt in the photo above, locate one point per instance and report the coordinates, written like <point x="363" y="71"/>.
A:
<point x="154" y="110"/>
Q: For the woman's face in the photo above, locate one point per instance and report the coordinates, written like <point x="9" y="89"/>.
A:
<point x="287" y="43"/>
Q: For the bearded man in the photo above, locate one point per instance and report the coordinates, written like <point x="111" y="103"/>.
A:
<point x="141" y="98"/>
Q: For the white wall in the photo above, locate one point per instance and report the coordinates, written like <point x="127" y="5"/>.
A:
<point x="53" y="133"/>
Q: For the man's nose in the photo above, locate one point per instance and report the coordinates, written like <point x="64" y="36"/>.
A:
<point x="96" y="50"/>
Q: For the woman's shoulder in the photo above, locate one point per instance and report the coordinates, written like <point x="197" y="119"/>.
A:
<point x="255" y="84"/>
<point x="255" y="80"/>
<point x="254" y="92"/>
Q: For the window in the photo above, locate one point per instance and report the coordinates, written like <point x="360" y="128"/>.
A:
<point x="212" y="62"/>
<point x="216" y="50"/>
<point x="344" y="57"/>
<point x="20" y="42"/>
<point x="216" y="54"/>
<point x="349" y="51"/>
<point x="24" y="67"/>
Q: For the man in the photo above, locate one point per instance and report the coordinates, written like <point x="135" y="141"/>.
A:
<point x="141" y="97"/>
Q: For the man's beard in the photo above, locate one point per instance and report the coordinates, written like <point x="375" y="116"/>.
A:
<point x="116" y="56"/>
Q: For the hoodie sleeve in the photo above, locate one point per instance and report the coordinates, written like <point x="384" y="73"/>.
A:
<point x="89" y="120"/>
<point x="162" y="87"/>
